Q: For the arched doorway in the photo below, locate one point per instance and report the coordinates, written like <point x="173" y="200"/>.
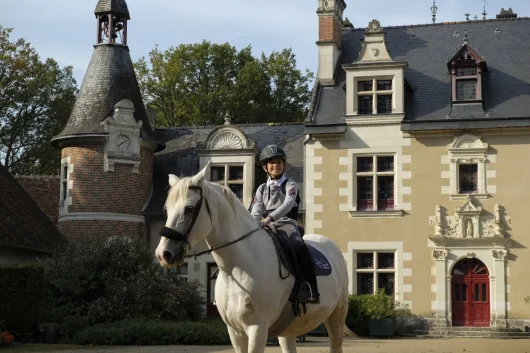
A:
<point x="470" y="288"/>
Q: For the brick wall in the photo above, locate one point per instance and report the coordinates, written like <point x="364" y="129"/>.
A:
<point x="329" y="28"/>
<point x="45" y="191"/>
<point x="94" y="190"/>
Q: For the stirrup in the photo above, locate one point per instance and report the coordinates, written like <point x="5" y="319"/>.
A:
<point x="310" y="298"/>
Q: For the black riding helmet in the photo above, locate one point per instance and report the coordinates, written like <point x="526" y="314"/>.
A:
<point x="271" y="152"/>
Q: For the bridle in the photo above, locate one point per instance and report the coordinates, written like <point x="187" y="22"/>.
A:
<point x="183" y="237"/>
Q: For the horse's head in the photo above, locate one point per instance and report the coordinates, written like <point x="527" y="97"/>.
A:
<point x="189" y="219"/>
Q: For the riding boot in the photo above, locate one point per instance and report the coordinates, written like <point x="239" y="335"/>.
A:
<point x="308" y="290"/>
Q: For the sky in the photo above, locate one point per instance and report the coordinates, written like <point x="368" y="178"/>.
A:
<point x="66" y="29"/>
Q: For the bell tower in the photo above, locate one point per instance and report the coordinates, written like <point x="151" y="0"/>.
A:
<point x="107" y="146"/>
<point x="112" y="17"/>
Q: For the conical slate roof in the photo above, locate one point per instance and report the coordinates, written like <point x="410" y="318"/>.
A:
<point x="117" y="7"/>
<point x="109" y="79"/>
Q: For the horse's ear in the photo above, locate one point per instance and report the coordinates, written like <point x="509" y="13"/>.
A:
<point x="173" y="179"/>
<point x="199" y="177"/>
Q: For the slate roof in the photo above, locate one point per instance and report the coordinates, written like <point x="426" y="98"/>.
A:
<point x="117" y="7"/>
<point x="109" y="78"/>
<point x="427" y="49"/>
<point x="23" y="225"/>
<point x="180" y="156"/>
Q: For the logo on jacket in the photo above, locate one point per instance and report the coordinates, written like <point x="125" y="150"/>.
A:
<point x="291" y="192"/>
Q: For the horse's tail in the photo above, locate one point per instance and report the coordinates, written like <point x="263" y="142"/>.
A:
<point x="349" y="333"/>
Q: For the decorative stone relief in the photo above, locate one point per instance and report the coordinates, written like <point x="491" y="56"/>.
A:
<point x="374" y="27"/>
<point x="499" y="254"/>
<point x="227" y="138"/>
<point x="469" y="221"/>
<point x="439" y="254"/>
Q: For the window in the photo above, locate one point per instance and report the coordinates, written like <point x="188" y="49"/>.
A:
<point x="375" y="183"/>
<point x="64" y="183"/>
<point x="468" y="178"/>
<point x="468" y="168"/>
<point x="374" y="97"/>
<point x="182" y="272"/>
<point x="65" y="199"/>
<point x="230" y="176"/>
<point x="376" y="270"/>
<point x="466" y="68"/>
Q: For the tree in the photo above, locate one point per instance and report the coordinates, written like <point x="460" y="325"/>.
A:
<point x="36" y="98"/>
<point x="196" y="84"/>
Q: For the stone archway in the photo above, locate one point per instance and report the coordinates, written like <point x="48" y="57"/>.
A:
<point x="470" y="293"/>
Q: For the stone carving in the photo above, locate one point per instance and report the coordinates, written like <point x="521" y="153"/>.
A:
<point x="226" y="137"/>
<point x="469" y="221"/>
<point x="467" y="141"/>
<point x="439" y="254"/>
<point x="469" y="229"/>
<point x="499" y="254"/>
<point x="374" y="27"/>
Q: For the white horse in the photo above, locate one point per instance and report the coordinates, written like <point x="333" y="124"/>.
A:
<point x="249" y="293"/>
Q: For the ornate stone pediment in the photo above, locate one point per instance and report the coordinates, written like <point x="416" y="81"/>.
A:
<point x="468" y="222"/>
<point x="227" y="138"/>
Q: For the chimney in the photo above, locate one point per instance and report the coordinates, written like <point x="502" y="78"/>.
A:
<point x="330" y="22"/>
<point x="506" y="14"/>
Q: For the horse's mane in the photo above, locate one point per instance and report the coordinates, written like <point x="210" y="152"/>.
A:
<point x="178" y="194"/>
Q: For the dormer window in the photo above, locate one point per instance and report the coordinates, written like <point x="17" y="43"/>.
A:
<point x="374" y="96"/>
<point x="466" y="69"/>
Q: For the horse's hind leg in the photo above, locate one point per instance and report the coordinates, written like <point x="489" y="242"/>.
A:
<point x="288" y="344"/>
<point x="239" y="341"/>
<point x="335" y="326"/>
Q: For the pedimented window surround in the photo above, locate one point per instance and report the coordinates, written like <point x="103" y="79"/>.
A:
<point x="67" y="184"/>
<point x="229" y="146"/>
<point x="468" y="149"/>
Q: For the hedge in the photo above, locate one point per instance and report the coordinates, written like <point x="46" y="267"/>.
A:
<point x="154" y="332"/>
<point x="21" y="294"/>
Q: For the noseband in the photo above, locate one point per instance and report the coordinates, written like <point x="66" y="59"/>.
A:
<point x="178" y="236"/>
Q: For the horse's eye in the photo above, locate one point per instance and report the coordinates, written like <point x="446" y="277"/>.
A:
<point x="188" y="209"/>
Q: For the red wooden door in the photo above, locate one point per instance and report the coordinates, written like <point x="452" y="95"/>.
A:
<point x="470" y="293"/>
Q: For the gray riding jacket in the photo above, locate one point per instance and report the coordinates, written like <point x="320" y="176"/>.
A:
<point x="270" y="200"/>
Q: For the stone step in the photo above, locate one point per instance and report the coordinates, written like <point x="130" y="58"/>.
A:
<point x="470" y="328"/>
<point x="443" y="332"/>
<point x="482" y="337"/>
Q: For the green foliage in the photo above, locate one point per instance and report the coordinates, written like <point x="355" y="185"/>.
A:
<point x="21" y="294"/>
<point x="36" y="98"/>
<point x="527" y="299"/>
<point x="108" y="280"/>
<point x="366" y="307"/>
<point x="196" y="84"/>
<point x="154" y="332"/>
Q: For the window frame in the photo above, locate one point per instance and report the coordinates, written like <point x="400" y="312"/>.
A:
<point x="375" y="271"/>
<point x="65" y="199"/>
<point x="375" y="174"/>
<point x="227" y="182"/>
<point x="477" y="77"/>
<point x="374" y="93"/>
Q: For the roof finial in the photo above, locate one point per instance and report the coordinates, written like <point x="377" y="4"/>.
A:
<point x="434" y="9"/>
<point x="484" y="13"/>
<point x="465" y="38"/>
<point x="228" y="118"/>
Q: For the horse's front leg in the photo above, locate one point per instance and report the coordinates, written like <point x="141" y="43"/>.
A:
<point x="257" y="337"/>
<point x="288" y="344"/>
<point x="239" y="341"/>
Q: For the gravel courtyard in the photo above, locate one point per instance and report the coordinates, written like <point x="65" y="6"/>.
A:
<point x="319" y="345"/>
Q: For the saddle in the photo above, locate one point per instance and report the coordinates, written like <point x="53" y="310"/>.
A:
<point x="287" y="256"/>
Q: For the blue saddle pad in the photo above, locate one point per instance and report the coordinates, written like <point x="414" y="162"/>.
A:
<point x="321" y="263"/>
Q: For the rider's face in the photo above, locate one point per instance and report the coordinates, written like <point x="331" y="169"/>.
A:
<point x="275" y="167"/>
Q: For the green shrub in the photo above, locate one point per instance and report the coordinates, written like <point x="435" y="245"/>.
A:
<point x="21" y="293"/>
<point x="114" y="279"/>
<point x="154" y="332"/>
<point x="366" y="307"/>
